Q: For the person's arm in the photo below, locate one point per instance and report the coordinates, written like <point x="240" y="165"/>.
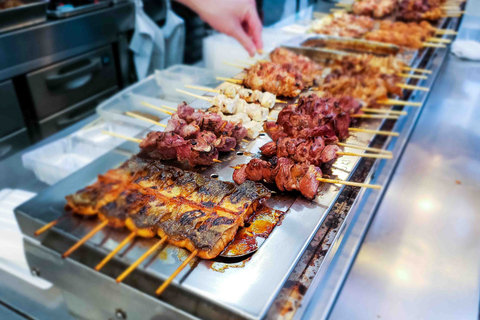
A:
<point x="236" y="18"/>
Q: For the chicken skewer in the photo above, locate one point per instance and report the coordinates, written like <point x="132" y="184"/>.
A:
<point x="252" y="96"/>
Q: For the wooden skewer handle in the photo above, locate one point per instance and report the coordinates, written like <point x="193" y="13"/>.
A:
<point x="121" y="136"/>
<point x="366" y="155"/>
<point x="141" y="259"/>
<point x="348" y="183"/>
<point x="380" y="132"/>
<point x="115" y="251"/>
<point x="346" y="145"/>
<point x="202" y="88"/>
<point x="417" y="70"/>
<point x="45" y="227"/>
<point x="179" y="269"/>
<point x="85" y="238"/>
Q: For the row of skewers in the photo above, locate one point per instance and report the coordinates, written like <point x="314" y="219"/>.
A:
<point x="412" y="35"/>
<point x="405" y="10"/>
<point x="203" y="214"/>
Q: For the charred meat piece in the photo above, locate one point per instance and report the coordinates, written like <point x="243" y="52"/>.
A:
<point x="285" y="173"/>
<point x="311" y="71"/>
<point x="88" y="200"/>
<point x="279" y="79"/>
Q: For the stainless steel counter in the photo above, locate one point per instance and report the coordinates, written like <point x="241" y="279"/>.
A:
<point x="421" y="256"/>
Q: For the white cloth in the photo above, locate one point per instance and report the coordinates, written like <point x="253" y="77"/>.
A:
<point x="174" y="34"/>
<point x="148" y="44"/>
<point x="466" y="49"/>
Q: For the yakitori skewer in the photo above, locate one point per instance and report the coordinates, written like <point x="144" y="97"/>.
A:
<point x="346" y="145"/>
<point x="121" y="136"/>
<point x="446" y="31"/>
<point x="89" y="235"/>
<point x="439" y="40"/>
<point x="433" y="45"/>
<point x="379" y="132"/>
<point x="410" y="87"/>
<point x="137" y="116"/>
<point x="393" y="102"/>
<point x="220" y="91"/>
<point x="412" y="76"/>
<point x="151" y="106"/>
<point x="179" y="269"/>
<point x="122" y="244"/>
<point x="417" y="70"/>
<point x="365" y="155"/>
<point x="374" y="116"/>
<point x="349" y="183"/>
<point x="386" y="111"/>
<point x="46" y="227"/>
<point x="144" y="256"/>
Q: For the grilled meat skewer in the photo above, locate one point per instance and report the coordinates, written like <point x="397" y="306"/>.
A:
<point x="193" y="211"/>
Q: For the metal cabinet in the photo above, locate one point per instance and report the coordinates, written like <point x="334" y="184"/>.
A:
<point x="63" y="85"/>
<point x="11" y="118"/>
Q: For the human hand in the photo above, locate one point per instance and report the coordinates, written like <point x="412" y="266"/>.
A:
<point x="236" y="18"/>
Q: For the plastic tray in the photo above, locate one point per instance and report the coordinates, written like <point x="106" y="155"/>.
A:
<point x="177" y="76"/>
<point x="57" y="160"/>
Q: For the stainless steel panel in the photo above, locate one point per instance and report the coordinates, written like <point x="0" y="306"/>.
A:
<point x="420" y="256"/>
<point x="14" y="142"/>
<point x="73" y="114"/>
<point x="59" y="40"/>
<point x="78" y="10"/>
<point x="84" y="291"/>
<point x="64" y="84"/>
<point x="11" y="118"/>
<point x="32" y="12"/>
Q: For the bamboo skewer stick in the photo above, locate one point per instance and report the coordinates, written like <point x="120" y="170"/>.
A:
<point x="366" y="155"/>
<point x="348" y="183"/>
<point x="144" y="256"/>
<point x="412" y="76"/>
<point x="139" y="117"/>
<point x="439" y="40"/>
<point x="234" y="65"/>
<point x="346" y="145"/>
<point x="179" y="269"/>
<point x="417" y="70"/>
<point x="399" y="103"/>
<point x="446" y="31"/>
<point x="237" y="81"/>
<point x="433" y="45"/>
<point x="380" y="132"/>
<point x="374" y="116"/>
<point x="202" y="88"/>
<point x="245" y="140"/>
<point x="121" y="136"/>
<point x="342" y="4"/>
<point x="151" y="106"/>
<point x="246" y="62"/>
<point x="400" y="113"/>
<point x="410" y="87"/>
<point x="169" y="108"/>
<point x="45" y="227"/>
<point x="194" y="95"/>
<point x="77" y="245"/>
<point x="122" y="244"/>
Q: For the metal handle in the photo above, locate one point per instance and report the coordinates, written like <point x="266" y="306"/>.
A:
<point x="59" y="80"/>
<point x="62" y="123"/>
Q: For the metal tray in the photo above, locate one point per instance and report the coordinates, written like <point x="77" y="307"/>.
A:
<point x="345" y="44"/>
<point x="32" y="12"/>
<point x="229" y="289"/>
<point x="78" y="10"/>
